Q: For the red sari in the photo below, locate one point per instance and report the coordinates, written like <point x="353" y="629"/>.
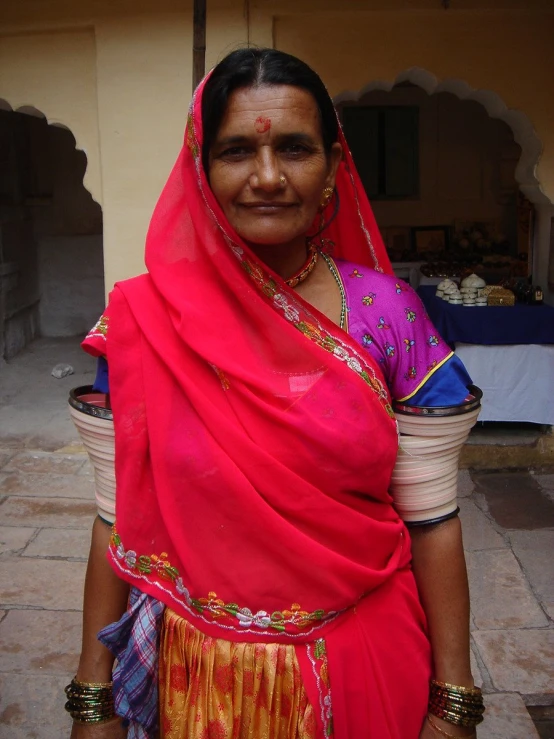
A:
<point x="254" y="448"/>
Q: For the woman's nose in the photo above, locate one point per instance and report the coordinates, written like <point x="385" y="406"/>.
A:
<point x="266" y="174"/>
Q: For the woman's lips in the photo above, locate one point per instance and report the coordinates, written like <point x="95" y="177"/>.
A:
<point x="266" y="208"/>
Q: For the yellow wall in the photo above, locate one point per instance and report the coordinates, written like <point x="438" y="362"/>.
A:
<point x="118" y="75"/>
<point x="121" y="83"/>
<point x="144" y="86"/>
<point x="508" y="52"/>
<point x="55" y="72"/>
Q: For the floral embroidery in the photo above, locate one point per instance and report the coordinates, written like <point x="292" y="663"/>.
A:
<point x="434" y="340"/>
<point x="389" y="348"/>
<point x="355" y="273"/>
<point x="410" y="315"/>
<point x="411" y="374"/>
<point x="211" y="605"/>
<point x="312" y="331"/>
<point x="192" y="143"/>
<point x="382" y="324"/>
<point x="368" y="299"/>
<point x="100" y="328"/>
<point x="399" y="289"/>
<point x="367" y="339"/>
<point x="432" y="365"/>
<point x="409" y="343"/>
<point x="317" y="654"/>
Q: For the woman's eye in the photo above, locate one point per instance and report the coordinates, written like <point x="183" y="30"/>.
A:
<point x="295" y="149"/>
<point x="234" y="152"/>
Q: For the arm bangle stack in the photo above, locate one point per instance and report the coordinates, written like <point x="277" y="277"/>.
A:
<point x="89" y="703"/>
<point x="457" y="705"/>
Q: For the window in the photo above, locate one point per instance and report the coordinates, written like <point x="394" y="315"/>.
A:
<point x="384" y="141"/>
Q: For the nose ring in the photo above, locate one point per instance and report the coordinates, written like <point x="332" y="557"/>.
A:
<point x="282" y="180"/>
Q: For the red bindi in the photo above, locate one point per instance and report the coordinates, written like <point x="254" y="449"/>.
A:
<point x="262" y="124"/>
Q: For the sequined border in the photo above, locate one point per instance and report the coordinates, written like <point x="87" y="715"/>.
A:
<point x="317" y="654"/>
<point x="157" y="570"/>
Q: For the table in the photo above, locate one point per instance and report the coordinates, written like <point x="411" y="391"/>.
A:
<point x="508" y="352"/>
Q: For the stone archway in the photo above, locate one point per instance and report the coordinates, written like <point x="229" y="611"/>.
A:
<point x="524" y="135"/>
<point x="51" y="260"/>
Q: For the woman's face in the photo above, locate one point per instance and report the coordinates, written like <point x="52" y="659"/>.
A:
<point x="269" y="133"/>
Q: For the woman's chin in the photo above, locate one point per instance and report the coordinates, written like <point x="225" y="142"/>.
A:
<point x="274" y="238"/>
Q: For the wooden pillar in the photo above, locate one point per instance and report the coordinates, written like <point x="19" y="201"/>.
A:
<point x="199" y="42"/>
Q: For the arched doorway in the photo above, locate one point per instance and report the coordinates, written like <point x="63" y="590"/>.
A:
<point x="455" y="167"/>
<point x="51" y="255"/>
<point x="525" y="139"/>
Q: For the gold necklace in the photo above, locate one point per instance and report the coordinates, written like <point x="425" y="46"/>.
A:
<point x="306" y="269"/>
<point x="333" y="269"/>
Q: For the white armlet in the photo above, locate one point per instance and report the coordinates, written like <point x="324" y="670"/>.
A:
<point x="425" y="478"/>
<point x="94" y="423"/>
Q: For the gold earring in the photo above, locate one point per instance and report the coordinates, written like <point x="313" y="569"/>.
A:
<point x="326" y="197"/>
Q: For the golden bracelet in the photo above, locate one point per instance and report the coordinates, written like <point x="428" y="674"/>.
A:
<point x="446" y="733"/>
<point x="456" y="688"/>
<point x="90" y="703"/>
<point x="456" y="704"/>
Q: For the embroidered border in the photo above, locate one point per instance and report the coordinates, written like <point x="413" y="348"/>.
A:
<point x="154" y="568"/>
<point x="100" y="329"/>
<point x="317" y="655"/>
<point x="314" y="331"/>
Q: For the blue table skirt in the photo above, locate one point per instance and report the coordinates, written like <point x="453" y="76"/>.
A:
<point x="518" y="324"/>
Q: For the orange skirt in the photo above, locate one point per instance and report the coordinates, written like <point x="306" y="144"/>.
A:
<point x="217" y="689"/>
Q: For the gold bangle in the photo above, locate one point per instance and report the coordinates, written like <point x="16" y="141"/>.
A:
<point x="94" y="686"/>
<point x="456" y="688"/>
<point x="90" y="703"/>
<point x="456" y="704"/>
<point x="446" y="733"/>
<point x="455" y="718"/>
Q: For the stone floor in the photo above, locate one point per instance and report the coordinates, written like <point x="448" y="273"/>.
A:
<point x="46" y="511"/>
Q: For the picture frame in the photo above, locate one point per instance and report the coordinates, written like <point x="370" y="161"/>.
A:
<point x="430" y="240"/>
<point x="398" y="242"/>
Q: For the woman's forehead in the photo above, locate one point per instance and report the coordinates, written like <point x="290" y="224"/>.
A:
<point x="273" y="104"/>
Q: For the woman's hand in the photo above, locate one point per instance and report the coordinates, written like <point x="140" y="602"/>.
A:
<point x="113" y="729"/>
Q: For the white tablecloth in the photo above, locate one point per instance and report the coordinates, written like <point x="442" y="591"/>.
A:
<point x="517" y="380"/>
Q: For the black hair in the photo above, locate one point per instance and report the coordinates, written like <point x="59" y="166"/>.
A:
<point x="255" y="67"/>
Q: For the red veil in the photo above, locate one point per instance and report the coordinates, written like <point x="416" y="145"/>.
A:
<point x="254" y="448"/>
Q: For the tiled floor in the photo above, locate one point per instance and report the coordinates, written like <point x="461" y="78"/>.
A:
<point x="46" y="511"/>
<point x="44" y="538"/>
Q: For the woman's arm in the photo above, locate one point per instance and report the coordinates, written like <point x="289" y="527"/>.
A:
<point x="440" y="572"/>
<point x="105" y="601"/>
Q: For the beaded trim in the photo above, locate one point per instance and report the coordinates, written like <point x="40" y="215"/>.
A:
<point x="306" y="269"/>
<point x="317" y="654"/>
<point x="313" y="331"/>
<point x="156" y="568"/>
<point x="100" y="328"/>
<point x="334" y="271"/>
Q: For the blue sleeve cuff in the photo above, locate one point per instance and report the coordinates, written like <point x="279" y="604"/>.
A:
<point x="447" y="386"/>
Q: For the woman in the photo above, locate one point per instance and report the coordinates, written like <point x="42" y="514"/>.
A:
<point x="273" y="583"/>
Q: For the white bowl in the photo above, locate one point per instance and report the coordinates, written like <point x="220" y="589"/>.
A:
<point x="473" y="281"/>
